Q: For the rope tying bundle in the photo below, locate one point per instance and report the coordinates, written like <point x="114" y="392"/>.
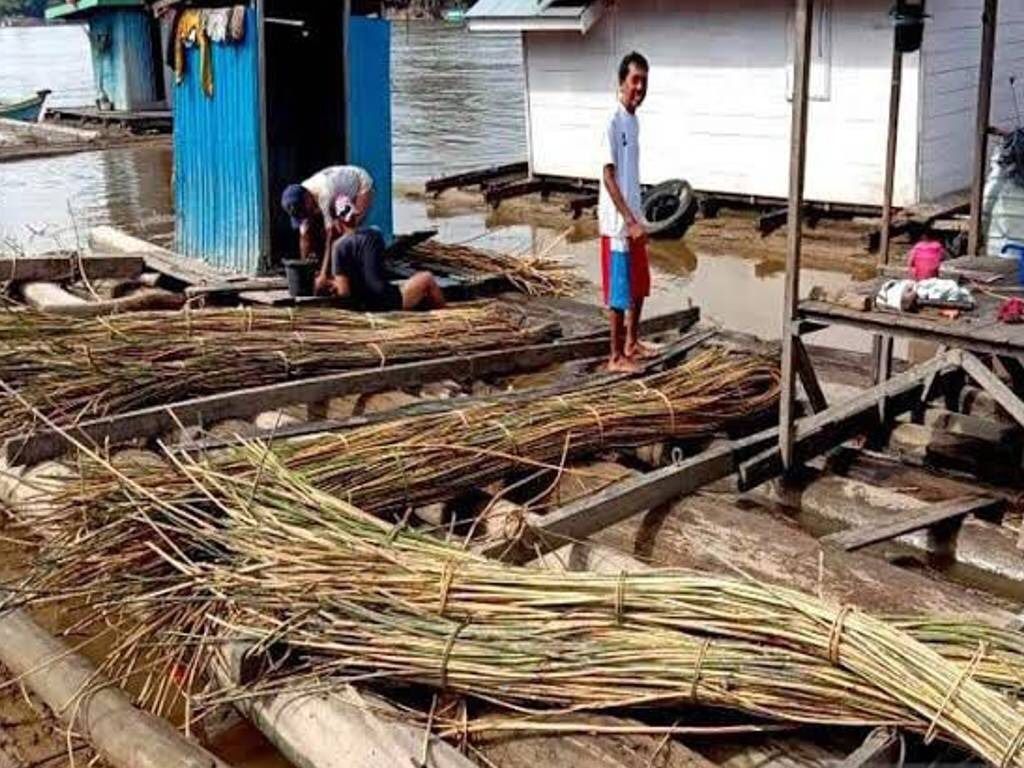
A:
<point x="836" y="634"/>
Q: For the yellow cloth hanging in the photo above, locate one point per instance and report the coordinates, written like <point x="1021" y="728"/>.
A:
<point x="192" y="31"/>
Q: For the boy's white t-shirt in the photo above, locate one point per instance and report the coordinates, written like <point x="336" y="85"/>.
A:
<point x="620" y="144"/>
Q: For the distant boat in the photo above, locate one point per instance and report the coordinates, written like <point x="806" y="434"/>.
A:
<point x="27" y="110"/>
<point x="454" y="15"/>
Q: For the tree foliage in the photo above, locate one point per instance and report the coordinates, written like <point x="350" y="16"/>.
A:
<point x="22" y="7"/>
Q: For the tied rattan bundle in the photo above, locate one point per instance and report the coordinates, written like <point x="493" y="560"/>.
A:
<point x="74" y="369"/>
<point x="533" y="274"/>
<point x="414" y="461"/>
<point x="280" y="562"/>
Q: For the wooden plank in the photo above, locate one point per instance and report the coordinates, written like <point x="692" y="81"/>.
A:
<point x="823" y="431"/>
<point x="989" y="25"/>
<point x="576" y="521"/>
<point x="433" y="407"/>
<point x="245" y="403"/>
<point x="57" y="268"/>
<point x="913" y="521"/>
<point x="797" y="166"/>
<point x="252" y="284"/>
<point x="472" y="178"/>
<point x="987" y="337"/>
<point x="992" y="384"/>
<point x="808" y="378"/>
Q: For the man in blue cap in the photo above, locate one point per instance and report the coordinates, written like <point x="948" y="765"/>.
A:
<point x="309" y="205"/>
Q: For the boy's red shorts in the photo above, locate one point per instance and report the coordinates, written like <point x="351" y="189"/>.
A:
<point x="625" y="275"/>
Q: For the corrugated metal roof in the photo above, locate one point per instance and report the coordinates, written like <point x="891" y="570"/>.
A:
<point x="83" y="7"/>
<point x="533" y="15"/>
<point x="524" y="9"/>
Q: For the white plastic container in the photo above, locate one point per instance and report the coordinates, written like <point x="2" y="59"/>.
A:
<point x="1003" y="210"/>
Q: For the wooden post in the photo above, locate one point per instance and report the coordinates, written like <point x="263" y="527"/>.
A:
<point x="797" y="165"/>
<point x="890" y="153"/>
<point x="988" y="51"/>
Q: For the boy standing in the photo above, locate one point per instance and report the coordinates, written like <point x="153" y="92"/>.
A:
<point x="625" y="272"/>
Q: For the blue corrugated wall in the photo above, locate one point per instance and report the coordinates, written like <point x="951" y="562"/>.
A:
<point x="218" y="190"/>
<point x="370" y="111"/>
<point x="122" y="57"/>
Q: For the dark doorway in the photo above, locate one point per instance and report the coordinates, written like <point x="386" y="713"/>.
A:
<point x="304" y="71"/>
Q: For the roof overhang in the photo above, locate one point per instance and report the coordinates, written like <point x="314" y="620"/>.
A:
<point x="534" y="15"/>
<point x="85" y="7"/>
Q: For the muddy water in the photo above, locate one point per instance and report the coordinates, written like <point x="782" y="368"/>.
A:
<point x="458" y="104"/>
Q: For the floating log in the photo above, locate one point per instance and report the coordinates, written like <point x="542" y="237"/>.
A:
<point x="976" y="547"/>
<point x="53" y="299"/>
<point x="715" y="535"/>
<point x="59" y="267"/>
<point x="101" y="713"/>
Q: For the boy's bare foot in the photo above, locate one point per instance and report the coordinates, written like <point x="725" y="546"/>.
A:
<point x="643" y="351"/>
<point x="623" y="365"/>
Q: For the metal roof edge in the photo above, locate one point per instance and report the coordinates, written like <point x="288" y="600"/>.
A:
<point x="84" y="7"/>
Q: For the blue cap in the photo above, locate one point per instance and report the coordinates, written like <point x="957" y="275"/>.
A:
<point x="293" y="200"/>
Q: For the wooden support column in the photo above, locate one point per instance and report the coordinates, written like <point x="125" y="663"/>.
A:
<point x="988" y="52"/>
<point x="797" y="165"/>
<point x="883" y="344"/>
<point x="890" y="152"/>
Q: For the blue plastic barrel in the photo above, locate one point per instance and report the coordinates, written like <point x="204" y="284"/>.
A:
<point x="1016" y="251"/>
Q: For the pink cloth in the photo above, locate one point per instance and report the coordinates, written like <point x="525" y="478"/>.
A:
<point x="924" y="260"/>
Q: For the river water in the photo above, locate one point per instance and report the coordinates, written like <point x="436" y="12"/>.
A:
<point x="457" y="105"/>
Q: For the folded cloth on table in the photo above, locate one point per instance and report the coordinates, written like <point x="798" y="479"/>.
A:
<point x="897" y="294"/>
<point x="942" y="290"/>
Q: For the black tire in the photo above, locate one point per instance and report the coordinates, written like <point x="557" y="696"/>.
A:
<point x="669" y="209"/>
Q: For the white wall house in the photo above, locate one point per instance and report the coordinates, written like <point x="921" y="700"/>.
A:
<point x="718" y="110"/>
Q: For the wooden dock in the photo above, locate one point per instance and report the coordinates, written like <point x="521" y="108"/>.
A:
<point x="135" y="121"/>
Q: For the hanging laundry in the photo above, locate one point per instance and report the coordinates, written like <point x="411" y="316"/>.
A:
<point x="236" y="25"/>
<point x="217" y="24"/>
<point x="171" y="52"/>
<point x="192" y="31"/>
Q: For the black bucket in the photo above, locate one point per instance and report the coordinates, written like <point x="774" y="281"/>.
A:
<point x="301" y="277"/>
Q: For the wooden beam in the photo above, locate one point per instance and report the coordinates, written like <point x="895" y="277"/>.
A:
<point x="873" y="750"/>
<point x="473" y="178"/>
<point x="245" y="403"/>
<point x="954" y="510"/>
<point x="433" y="407"/>
<point x="797" y="166"/>
<point x="238" y="286"/>
<point x="808" y="378"/>
<point x="890" y="152"/>
<point x="992" y="384"/>
<point x="583" y="518"/>
<point x="56" y="268"/>
<point x="826" y="430"/>
<point x="988" y="52"/>
<point x="996" y="340"/>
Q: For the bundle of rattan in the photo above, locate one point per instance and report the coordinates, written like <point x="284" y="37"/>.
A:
<point x="72" y="369"/>
<point x="534" y="274"/>
<point x="281" y="562"/>
<point x="414" y="461"/>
